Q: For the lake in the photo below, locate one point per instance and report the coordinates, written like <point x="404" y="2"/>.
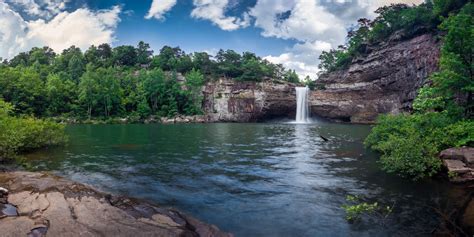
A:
<point x="265" y="179"/>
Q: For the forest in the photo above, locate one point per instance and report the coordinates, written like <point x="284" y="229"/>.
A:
<point x="124" y="81"/>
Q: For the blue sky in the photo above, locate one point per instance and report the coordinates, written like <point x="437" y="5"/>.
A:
<point x="180" y="29"/>
<point x="290" y="32"/>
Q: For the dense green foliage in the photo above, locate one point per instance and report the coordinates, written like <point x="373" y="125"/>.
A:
<point x="443" y="110"/>
<point x="410" y="143"/>
<point x="26" y="133"/>
<point x="106" y="82"/>
<point x="396" y="19"/>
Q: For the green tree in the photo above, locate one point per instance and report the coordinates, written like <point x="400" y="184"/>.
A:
<point x="229" y="63"/>
<point x="194" y="83"/>
<point x="43" y="56"/>
<point x="144" y="53"/>
<point x="23" y="88"/>
<point x="444" y="7"/>
<point x="88" y="90"/>
<point x="22" y="59"/>
<point x="185" y="64"/>
<point x="125" y="55"/>
<point x="252" y="68"/>
<point x="168" y="59"/>
<point x="153" y="86"/>
<point x="453" y="85"/>
<point x="76" y="67"/>
<point x="109" y="92"/>
<point x="61" y="94"/>
<point x="203" y="62"/>
<point x="291" y="76"/>
<point x="92" y="56"/>
<point x="105" y="55"/>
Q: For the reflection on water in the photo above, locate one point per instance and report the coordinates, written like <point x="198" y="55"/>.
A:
<point x="250" y="179"/>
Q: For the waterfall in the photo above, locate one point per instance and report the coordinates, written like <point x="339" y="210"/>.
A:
<point x="302" y="107"/>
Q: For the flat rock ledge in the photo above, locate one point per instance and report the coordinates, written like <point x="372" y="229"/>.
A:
<point x="460" y="164"/>
<point x="41" y="204"/>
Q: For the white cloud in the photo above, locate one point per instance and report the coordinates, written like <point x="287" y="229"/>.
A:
<point x="40" y="8"/>
<point x="307" y="21"/>
<point x="317" y="25"/>
<point x="214" y="11"/>
<point x="81" y="28"/>
<point x="159" y="8"/>
<point x="302" y="57"/>
<point x="12" y="32"/>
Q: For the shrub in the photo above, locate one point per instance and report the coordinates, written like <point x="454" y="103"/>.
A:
<point x="27" y="133"/>
<point x="409" y="144"/>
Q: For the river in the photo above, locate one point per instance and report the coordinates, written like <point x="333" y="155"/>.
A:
<point x="266" y="179"/>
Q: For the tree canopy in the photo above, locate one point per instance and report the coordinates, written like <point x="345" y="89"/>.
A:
<point x="107" y="81"/>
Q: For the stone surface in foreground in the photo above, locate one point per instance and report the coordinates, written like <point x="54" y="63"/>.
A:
<point x="51" y="206"/>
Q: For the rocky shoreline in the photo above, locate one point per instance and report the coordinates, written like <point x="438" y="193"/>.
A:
<point x="41" y="204"/>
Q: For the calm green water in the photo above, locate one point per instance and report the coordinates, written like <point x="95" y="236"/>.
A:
<point x="269" y="179"/>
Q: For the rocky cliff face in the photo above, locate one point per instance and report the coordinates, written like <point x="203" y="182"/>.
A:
<point x="384" y="81"/>
<point x="233" y="101"/>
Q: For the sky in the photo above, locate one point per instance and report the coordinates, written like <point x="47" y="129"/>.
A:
<point x="290" y="32"/>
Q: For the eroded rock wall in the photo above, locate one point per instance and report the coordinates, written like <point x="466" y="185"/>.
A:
<point x="384" y="81"/>
<point x="234" y="101"/>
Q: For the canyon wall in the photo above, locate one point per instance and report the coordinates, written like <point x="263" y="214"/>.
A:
<point x="235" y="101"/>
<point x="386" y="80"/>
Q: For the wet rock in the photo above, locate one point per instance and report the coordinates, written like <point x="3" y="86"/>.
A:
<point x="7" y="210"/>
<point x="385" y="80"/>
<point x="52" y="206"/>
<point x="38" y="232"/>
<point x="459" y="163"/>
<point x="3" y="195"/>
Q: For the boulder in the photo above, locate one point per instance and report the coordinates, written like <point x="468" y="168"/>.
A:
<point x="459" y="162"/>
<point x="465" y="154"/>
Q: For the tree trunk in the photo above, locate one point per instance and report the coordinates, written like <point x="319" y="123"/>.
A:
<point x="89" y="111"/>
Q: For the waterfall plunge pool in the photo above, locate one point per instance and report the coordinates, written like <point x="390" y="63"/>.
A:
<point x="268" y="179"/>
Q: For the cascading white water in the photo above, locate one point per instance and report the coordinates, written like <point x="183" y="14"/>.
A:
<point x="302" y="107"/>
